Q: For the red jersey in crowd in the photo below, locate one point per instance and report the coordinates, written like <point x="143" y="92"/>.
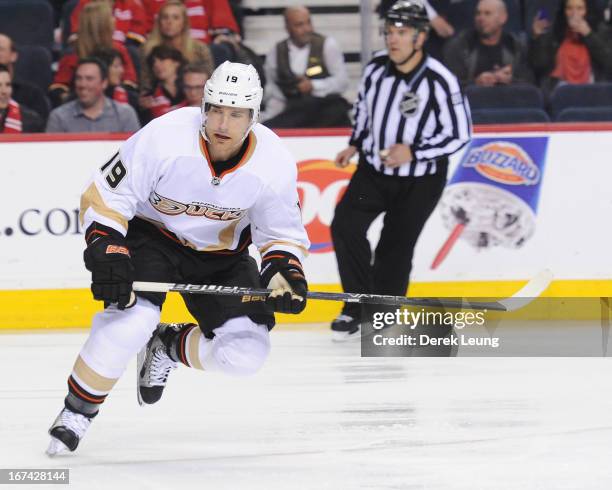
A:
<point x="68" y="64"/>
<point x="12" y="119"/>
<point x="120" y="95"/>
<point x="163" y="103"/>
<point x="205" y="17"/>
<point x="130" y="20"/>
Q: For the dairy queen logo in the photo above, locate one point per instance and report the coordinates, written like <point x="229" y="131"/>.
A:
<point x="503" y="162"/>
<point x="320" y="186"/>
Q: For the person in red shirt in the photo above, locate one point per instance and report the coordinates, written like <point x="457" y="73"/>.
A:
<point x="573" y="49"/>
<point x="167" y="95"/>
<point x="209" y="19"/>
<point x="130" y="20"/>
<point x="96" y="28"/>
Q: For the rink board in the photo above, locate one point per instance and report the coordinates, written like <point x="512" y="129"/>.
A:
<point x="44" y="284"/>
<point x="73" y="308"/>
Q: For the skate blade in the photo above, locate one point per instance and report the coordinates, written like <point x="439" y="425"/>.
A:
<point x="57" y="448"/>
<point x="141" y="358"/>
<point x="346" y="336"/>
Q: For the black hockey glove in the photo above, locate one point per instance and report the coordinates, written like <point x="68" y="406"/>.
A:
<point x="282" y="272"/>
<point x="108" y="259"/>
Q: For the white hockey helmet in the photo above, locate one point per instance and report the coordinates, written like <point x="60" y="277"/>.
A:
<point x="233" y="85"/>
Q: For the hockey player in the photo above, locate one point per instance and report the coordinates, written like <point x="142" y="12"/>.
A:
<point x="180" y="202"/>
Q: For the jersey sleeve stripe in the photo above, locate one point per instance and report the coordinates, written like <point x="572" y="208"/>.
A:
<point x="92" y="199"/>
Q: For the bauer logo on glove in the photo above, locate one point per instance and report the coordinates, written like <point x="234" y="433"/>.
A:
<point x="115" y="249"/>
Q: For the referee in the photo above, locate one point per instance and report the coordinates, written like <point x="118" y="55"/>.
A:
<point x="410" y="115"/>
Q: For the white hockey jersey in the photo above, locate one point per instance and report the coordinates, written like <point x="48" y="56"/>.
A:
<point x="163" y="174"/>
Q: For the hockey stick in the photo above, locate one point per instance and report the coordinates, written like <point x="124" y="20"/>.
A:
<point x="256" y="294"/>
<point x="524" y="296"/>
<point x="531" y="290"/>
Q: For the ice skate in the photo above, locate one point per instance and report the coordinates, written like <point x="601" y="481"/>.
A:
<point x="345" y="328"/>
<point x="66" y="432"/>
<point x="155" y="365"/>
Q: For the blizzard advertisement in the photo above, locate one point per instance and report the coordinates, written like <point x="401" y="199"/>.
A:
<point x="492" y="198"/>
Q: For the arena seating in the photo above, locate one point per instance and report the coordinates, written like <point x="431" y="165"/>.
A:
<point x="509" y="116"/>
<point x="585" y="114"/>
<point x="509" y="96"/>
<point x="585" y="96"/>
<point x="27" y="22"/>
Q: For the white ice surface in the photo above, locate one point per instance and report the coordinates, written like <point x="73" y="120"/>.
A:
<point x="318" y="416"/>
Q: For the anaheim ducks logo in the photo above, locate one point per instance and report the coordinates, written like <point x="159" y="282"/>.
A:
<point x="171" y="207"/>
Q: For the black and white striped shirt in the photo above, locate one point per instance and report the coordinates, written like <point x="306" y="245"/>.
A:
<point x="424" y="109"/>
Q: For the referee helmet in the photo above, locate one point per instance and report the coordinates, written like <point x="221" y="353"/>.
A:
<point x="411" y="13"/>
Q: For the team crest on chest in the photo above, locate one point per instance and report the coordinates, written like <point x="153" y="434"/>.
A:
<point x="409" y="104"/>
<point x="170" y="207"/>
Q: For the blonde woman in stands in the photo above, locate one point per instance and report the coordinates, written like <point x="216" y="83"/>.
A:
<point x="130" y="20"/>
<point x="209" y="19"/>
<point x="172" y="29"/>
<point x="96" y="26"/>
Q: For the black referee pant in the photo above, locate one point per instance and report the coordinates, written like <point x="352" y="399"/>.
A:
<point x="408" y="203"/>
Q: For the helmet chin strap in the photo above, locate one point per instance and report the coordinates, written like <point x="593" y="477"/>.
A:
<point x="203" y="128"/>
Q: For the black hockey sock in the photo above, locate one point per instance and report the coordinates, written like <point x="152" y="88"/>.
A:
<point x="176" y="343"/>
<point x="81" y="401"/>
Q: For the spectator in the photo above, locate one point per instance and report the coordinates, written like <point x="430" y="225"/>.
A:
<point x="25" y="93"/>
<point x="486" y="55"/>
<point x="172" y="29"/>
<point x="305" y="76"/>
<point x="570" y="50"/>
<point x="209" y="19"/>
<point x="194" y="79"/>
<point x="130" y="20"/>
<point x="95" y="32"/>
<point x="117" y="90"/>
<point x="14" y="117"/>
<point x="167" y="95"/>
<point x="92" y="111"/>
